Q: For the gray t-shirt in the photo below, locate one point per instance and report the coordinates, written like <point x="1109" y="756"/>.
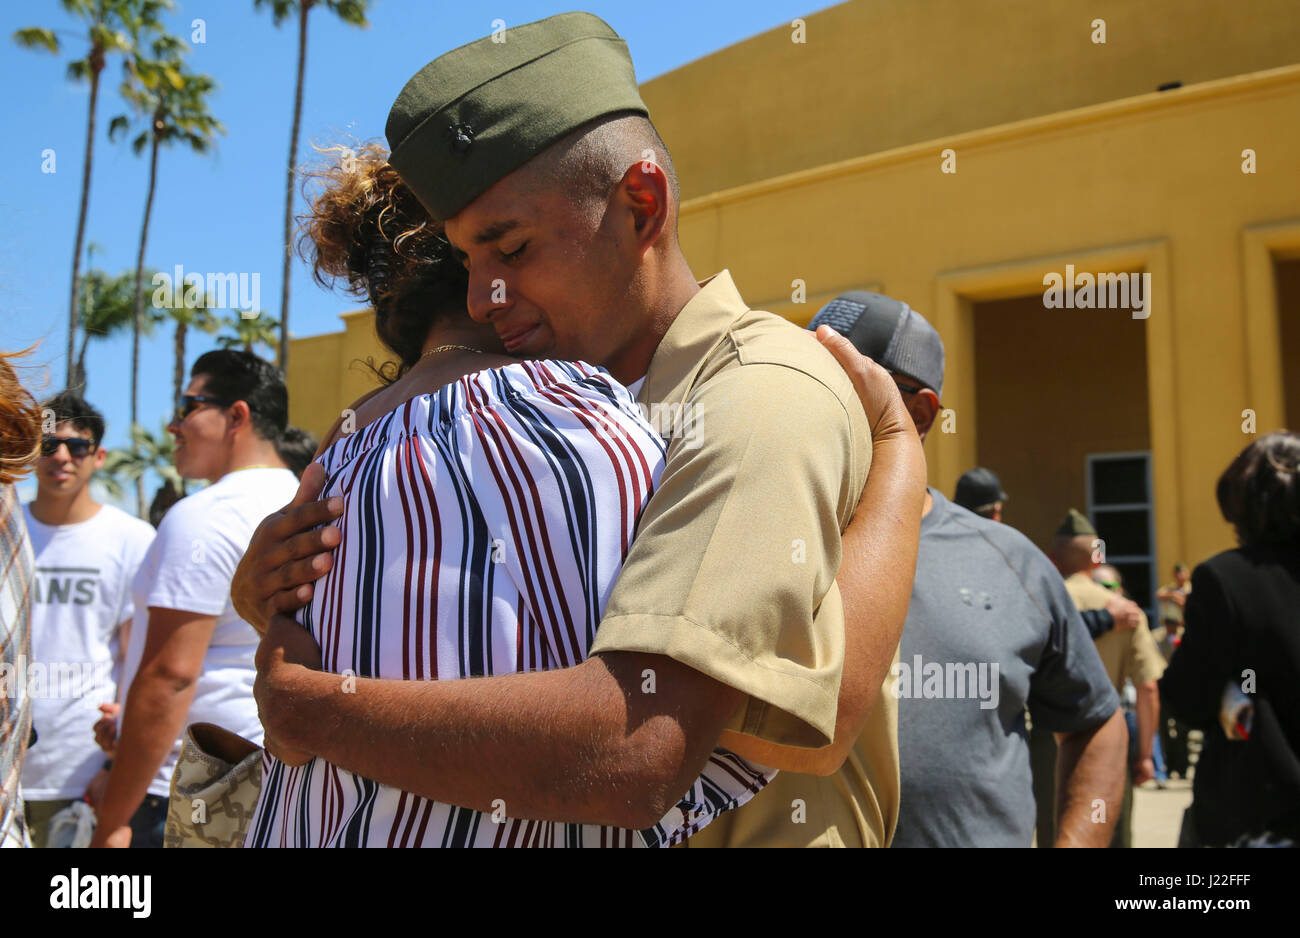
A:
<point x="990" y="629"/>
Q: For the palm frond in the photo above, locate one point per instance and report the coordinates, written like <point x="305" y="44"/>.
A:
<point x="281" y="10"/>
<point x="79" y="69"/>
<point x="34" y="37"/>
<point x="117" y="126"/>
<point x="352" y="12"/>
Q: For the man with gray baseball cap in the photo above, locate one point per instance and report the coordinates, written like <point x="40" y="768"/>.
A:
<point x="990" y="630"/>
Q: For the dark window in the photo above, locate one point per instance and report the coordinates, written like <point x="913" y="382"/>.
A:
<point x="1126" y="533"/>
<point x="1119" y="481"/>
<point x="1119" y="503"/>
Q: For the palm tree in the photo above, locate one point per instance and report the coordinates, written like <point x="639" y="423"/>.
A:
<point x="107" y="308"/>
<point x="111" y="26"/>
<point x="248" y="333"/>
<point x="175" y="101"/>
<point x="200" y="318"/>
<point x="350" y="11"/>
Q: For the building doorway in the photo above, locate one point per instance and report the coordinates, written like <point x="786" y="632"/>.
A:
<point x="1055" y="391"/>
<point x="1287" y="279"/>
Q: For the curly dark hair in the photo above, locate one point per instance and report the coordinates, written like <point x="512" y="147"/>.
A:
<point x="366" y="228"/>
<point x="71" y="407"/>
<point x="1259" y="492"/>
<point x="20" y="422"/>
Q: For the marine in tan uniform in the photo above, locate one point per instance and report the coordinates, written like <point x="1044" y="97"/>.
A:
<point x="558" y="194"/>
<point x="1127" y="654"/>
<point x="757" y="365"/>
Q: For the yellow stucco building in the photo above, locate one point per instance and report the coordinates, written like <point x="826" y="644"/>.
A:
<point x="956" y="154"/>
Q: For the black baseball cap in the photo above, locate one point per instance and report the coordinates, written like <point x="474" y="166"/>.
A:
<point x="890" y="332"/>
<point x="979" y="488"/>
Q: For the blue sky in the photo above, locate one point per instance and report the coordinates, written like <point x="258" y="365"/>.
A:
<point x="223" y="212"/>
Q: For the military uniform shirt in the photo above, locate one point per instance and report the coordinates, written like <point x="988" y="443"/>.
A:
<point x="1126" y="653"/>
<point x="732" y="572"/>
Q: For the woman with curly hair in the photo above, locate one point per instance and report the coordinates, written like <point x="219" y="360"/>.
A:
<point x="1236" y="675"/>
<point x="487" y="503"/>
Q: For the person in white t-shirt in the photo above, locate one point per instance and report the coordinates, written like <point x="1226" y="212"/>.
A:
<point x="86" y="555"/>
<point x="190" y="655"/>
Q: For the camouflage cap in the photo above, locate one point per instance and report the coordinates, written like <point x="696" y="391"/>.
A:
<point x="1075" y="525"/>
<point x="476" y="114"/>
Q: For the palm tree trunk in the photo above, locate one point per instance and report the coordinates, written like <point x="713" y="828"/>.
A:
<point x="80" y="373"/>
<point x="96" y="66"/>
<point x="304" y="7"/>
<point x="138" y="322"/>
<point x="178" y="367"/>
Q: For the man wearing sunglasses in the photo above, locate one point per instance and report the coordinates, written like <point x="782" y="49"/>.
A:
<point x="86" y="556"/>
<point x="190" y="658"/>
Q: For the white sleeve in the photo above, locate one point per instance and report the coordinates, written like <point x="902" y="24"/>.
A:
<point x="199" y="547"/>
<point x="137" y="540"/>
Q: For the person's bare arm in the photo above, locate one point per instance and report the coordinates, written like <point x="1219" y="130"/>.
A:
<point x="156" y="706"/>
<point x="1126" y="613"/>
<point x="1148" y="714"/>
<point x="1090" y="767"/>
<point x="105" y="728"/>
<point x="876" y="571"/>
<point x="589" y="747"/>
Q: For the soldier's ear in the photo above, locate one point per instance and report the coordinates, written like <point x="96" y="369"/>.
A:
<point x="644" y="190"/>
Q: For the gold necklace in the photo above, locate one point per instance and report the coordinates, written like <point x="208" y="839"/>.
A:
<point x="448" y="348"/>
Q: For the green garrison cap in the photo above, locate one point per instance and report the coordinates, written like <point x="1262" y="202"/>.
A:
<point x="1076" y="524"/>
<point x="478" y="113"/>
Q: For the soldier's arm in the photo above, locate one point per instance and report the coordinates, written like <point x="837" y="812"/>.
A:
<point x="582" y="744"/>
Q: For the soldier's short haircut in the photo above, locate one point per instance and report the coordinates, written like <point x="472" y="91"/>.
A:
<point x="591" y="160"/>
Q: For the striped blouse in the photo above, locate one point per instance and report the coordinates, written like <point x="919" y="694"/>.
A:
<point x="483" y="528"/>
<point x="15" y="649"/>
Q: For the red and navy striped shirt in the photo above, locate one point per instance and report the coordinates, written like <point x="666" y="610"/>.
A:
<point x="483" y="529"/>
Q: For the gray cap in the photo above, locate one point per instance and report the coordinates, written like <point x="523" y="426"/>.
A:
<point x="890" y="332"/>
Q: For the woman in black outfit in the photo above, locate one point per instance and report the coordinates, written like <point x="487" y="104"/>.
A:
<point x="1243" y="629"/>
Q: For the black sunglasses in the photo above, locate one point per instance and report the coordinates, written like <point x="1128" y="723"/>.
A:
<point x="78" y="448"/>
<point x="189" y="403"/>
<point x="909" y="388"/>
